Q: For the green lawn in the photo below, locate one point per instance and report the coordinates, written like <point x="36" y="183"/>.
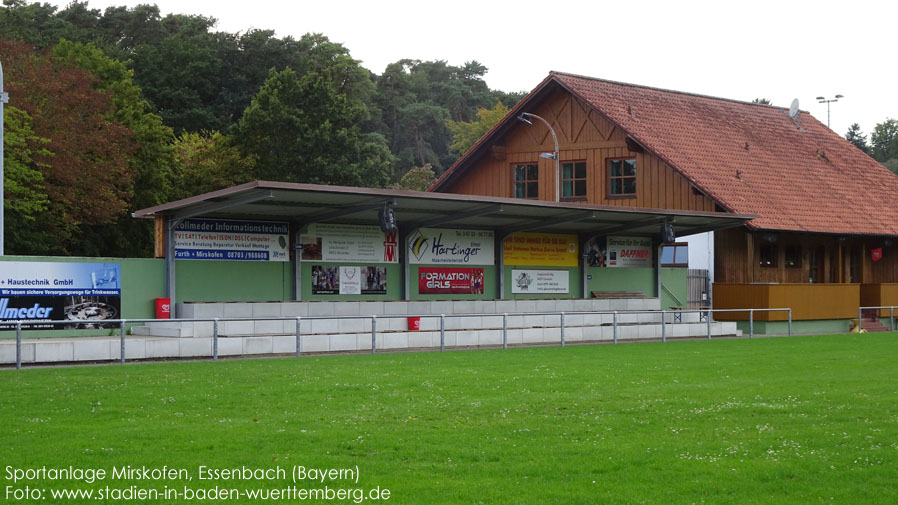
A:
<point x="781" y="420"/>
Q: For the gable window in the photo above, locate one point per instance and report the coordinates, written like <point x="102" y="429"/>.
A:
<point x="526" y="181"/>
<point x="622" y="178"/>
<point x="573" y="180"/>
<point x="793" y="256"/>
<point x="675" y="255"/>
<point x="768" y="255"/>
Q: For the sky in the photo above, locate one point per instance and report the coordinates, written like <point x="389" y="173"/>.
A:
<point x="779" y="50"/>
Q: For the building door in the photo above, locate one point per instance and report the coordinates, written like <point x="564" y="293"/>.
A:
<point x="816" y="272"/>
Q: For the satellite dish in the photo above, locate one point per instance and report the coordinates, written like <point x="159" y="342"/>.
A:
<point x="793" y="109"/>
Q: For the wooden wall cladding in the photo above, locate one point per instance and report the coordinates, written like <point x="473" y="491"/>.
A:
<point x="583" y="135"/>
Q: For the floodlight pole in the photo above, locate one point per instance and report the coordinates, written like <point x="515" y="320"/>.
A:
<point x="523" y="118"/>
<point x="4" y="98"/>
<point x="827" y="102"/>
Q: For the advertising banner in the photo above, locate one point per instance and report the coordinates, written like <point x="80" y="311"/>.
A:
<point x="348" y="243"/>
<point x="433" y="246"/>
<point x="83" y="293"/>
<point x="540" y="281"/>
<point x="433" y="281"/>
<point x="224" y="239"/>
<point x="542" y="249"/>
<point x="349" y="280"/>
<point x="629" y="252"/>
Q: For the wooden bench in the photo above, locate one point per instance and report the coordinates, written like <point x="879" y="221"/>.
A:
<point x="608" y="295"/>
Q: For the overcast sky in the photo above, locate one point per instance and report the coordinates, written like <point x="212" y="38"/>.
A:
<point x="778" y="50"/>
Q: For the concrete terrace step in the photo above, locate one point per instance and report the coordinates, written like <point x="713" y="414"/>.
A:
<point x="61" y="350"/>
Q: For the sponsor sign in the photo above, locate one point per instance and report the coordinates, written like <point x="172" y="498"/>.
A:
<point x="224" y="239"/>
<point x="83" y="293"/>
<point x="432" y="281"/>
<point x="348" y="243"/>
<point x="433" y="246"/>
<point x="349" y="280"/>
<point x="540" y="281"/>
<point x="631" y="252"/>
<point x="542" y="249"/>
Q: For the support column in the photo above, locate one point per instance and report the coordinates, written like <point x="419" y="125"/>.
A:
<point x="170" y="278"/>
<point x="658" y="288"/>
<point x="403" y="261"/>
<point x="297" y="228"/>
<point x="500" y="261"/>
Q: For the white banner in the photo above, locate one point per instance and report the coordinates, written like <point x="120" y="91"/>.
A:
<point x="223" y="239"/>
<point x="540" y="281"/>
<point x="631" y="252"/>
<point x="349" y="243"/>
<point x="350" y="280"/>
<point x="434" y="246"/>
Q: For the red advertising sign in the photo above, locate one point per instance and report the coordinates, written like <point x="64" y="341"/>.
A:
<point x="432" y="281"/>
<point x="876" y="253"/>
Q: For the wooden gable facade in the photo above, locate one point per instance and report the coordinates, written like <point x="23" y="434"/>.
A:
<point x="584" y="135"/>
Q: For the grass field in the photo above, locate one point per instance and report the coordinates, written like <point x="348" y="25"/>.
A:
<point x="785" y="420"/>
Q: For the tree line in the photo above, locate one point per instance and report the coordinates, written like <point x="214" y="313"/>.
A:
<point x="117" y="110"/>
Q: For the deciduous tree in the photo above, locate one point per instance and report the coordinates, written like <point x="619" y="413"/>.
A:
<point x="465" y="134"/>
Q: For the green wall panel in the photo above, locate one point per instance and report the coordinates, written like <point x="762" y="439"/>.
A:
<point x="233" y="281"/>
<point x="674" y="279"/>
<point x="622" y="279"/>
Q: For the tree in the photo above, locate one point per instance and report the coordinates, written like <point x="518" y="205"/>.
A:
<point x="466" y="134"/>
<point x="857" y="137"/>
<point x="417" y="179"/>
<point x="87" y="179"/>
<point x="25" y="197"/>
<point x="762" y="101"/>
<point x="884" y="141"/>
<point x="302" y="129"/>
<point x="207" y="162"/>
<point x="151" y="162"/>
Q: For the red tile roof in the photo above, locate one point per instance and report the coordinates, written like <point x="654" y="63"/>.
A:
<point x="751" y="158"/>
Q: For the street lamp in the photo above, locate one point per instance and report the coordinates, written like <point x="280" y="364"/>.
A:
<point x="549" y="156"/>
<point x="3" y="99"/>
<point x="827" y="102"/>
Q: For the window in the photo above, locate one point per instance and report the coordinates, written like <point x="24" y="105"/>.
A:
<point x="768" y="255"/>
<point x="622" y="178"/>
<point x="793" y="256"/>
<point x="675" y="255"/>
<point x="526" y="181"/>
<point x="573" y="179"/>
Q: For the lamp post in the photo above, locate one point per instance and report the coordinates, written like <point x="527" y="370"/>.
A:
<point x="551" y="156"/>
<point x="827" y="102"/>
<point x="3" y="99"/>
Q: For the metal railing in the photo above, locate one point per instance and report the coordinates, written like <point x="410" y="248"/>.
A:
<point x="615" y="324"/>
<point x="891" y="308"/>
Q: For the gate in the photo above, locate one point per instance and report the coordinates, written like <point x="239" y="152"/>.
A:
<point x="698" y="284"/>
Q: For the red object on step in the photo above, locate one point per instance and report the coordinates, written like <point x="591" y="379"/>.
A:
<point x="414" y="324"/>
<point x="163" y="308"/>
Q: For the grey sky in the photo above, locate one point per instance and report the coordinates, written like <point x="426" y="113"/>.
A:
<point x="742" y="50"/>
